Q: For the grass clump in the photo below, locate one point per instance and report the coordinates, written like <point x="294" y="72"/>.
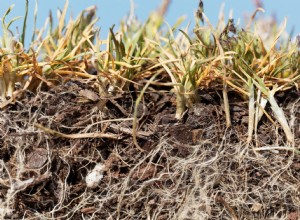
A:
<point x="224" y="58"/>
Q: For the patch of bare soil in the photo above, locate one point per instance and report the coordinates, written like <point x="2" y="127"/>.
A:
<point x="192" y="168"/>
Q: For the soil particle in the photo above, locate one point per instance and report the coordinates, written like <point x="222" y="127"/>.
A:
<point x="37" y="158"/>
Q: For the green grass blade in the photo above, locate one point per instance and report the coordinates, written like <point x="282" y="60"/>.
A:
<point x="24" y="24"/>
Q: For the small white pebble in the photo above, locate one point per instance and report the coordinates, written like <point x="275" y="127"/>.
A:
<point x="93" y="178"/>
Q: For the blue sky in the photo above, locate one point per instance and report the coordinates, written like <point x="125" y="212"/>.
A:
<point x="112" y="11"/>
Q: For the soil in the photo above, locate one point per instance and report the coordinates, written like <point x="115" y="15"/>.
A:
<point x="192" y="168"/>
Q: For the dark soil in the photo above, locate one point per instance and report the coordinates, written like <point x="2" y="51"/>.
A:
<point x="193" y="168"/>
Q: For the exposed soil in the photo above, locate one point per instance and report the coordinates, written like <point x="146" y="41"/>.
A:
<point x="193" y="168"/>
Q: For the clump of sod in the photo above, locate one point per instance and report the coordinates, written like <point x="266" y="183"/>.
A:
<point x="225" y="58"/>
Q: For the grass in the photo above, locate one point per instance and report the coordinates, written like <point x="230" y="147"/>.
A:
<point x="226" y="58"/>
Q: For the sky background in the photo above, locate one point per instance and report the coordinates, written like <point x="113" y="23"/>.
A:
<point x="112" y="11"/>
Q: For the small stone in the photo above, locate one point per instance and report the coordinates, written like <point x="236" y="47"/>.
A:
<point x="37" y="158"/>
<point x="93" y="178"/>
